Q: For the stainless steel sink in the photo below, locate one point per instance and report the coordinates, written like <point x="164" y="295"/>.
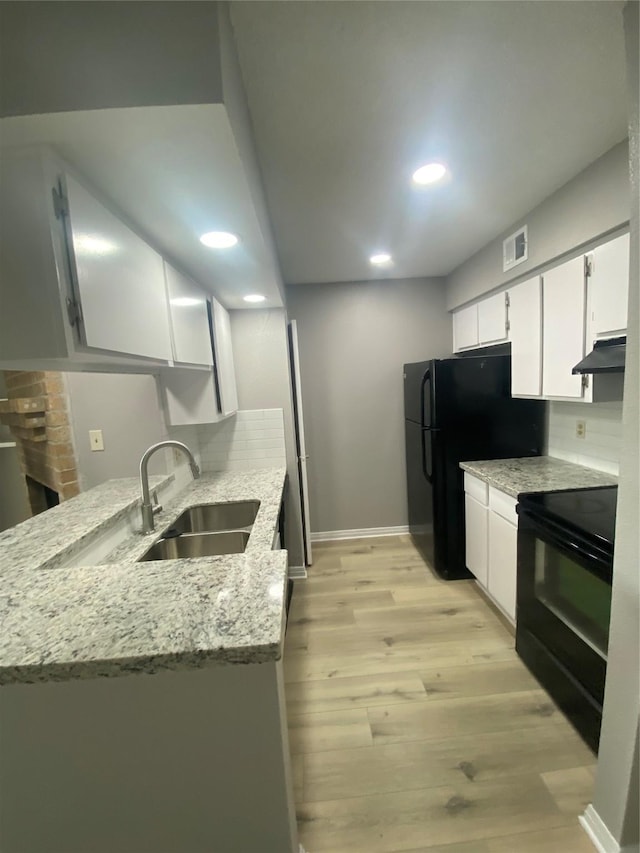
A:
<point x="198" y="545"/>
<point x="214" y="517"/>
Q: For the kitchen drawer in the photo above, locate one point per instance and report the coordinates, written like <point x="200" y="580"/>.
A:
<point x="476" y="488"/>
<point x="504" y="505"/>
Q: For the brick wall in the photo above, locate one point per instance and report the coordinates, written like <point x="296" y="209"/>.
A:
<point x="42" y="431"/>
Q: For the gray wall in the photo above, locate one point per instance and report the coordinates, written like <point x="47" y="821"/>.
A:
<point x="261" y="358"/>
<point x="14" y="502"/>
<point x="616" y="791"/>
<point x="595" y="202"/>
<point x="126" y="408"/>
<point x="354" y="339"/>
<point x="80" y="56"/>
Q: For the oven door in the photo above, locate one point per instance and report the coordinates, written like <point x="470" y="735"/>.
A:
<point x="564" y="599"/>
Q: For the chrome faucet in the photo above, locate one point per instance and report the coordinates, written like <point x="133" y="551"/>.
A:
<point x="148" y="509"/>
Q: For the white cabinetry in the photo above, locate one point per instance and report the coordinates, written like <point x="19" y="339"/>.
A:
<point x="563" y="301"/>
<point x="224" y="360"/>
<point x="191" y="338"/>
<point x="491" y="542"/>
<point x="465" y="328"/>
<point x="492" y="320"/>
<point x="525" y="320"/>
<point x="480" y="325"/>
<point x="79" y="288"/>
<point x="609" y="287"/>
<point x="203" y="396"/>
<point x="119" y="279"/>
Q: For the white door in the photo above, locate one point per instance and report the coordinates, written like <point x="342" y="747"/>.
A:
<point x="120" y="281"/>
<point x="492" y="319"/>
<point x="563" y="313"/>
<point x="301" y="448"/>
<point x="189" y="319"/>
<point x="224" y="365"/>
<point x="609" y="285"/>
<point x="465" y="328"/>
<point x="503" y="562"/>
<point x="476" y="530"/>
<point x="525" y="319"/>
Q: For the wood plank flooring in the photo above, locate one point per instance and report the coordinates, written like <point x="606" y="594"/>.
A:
<point x="413" y="724"/>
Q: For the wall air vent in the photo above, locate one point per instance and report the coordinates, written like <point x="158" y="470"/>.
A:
<point x="515" y="249"/>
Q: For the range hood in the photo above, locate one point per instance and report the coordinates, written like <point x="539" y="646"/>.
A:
<point x="605" y="357"/>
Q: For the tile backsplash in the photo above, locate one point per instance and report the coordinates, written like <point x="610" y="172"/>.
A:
<point x="600" y="447"/>
<point x="250" y="439"/>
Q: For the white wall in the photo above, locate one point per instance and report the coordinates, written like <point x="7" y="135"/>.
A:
<point x="354" y="339"/>
<point x="249" y="439"/>
<point x="127" y="408"/>
<point x="594" y="203"/>
<point x="261" y="355"/>
<point x="601" y="446"/>
<point x="616" y="790"/>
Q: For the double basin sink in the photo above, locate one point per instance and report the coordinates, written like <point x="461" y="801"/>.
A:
<point x="207" y="530"/>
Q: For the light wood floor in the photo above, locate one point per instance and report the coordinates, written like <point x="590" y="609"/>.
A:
<point x="413" y="725"/>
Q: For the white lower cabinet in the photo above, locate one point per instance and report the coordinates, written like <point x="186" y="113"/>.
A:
<point x="491" y="542"/>
<point x="476" y="538"/>
<point x="503" y="561"/>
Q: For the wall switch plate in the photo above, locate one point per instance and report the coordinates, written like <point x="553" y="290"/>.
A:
<point x="581" y="429"/>
<point x="95" y="439"/>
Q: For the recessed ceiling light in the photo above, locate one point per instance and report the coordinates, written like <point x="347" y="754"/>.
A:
<point x="380" y="259"/>
<point x="254" y="297"/>
<point x="219" y="239"/>
<point x="429" y="174"/>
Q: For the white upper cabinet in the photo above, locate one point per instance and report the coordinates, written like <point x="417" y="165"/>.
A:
<point x="609" y="287"/>
<point x="563" y="301"/>
<point x="224" y="366"/>
<point x="465" y="328"/>
<point x="525" y="328"/>
<point x="190" y="334"/>
<point x="492" y="320"/>
<point x="120" y="280"/>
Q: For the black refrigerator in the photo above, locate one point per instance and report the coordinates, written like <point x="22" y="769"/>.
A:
<point x="458" y="409"/>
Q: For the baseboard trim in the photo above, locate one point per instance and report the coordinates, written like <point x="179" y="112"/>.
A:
<point x="297" y="573"/>
<point x="598" y="833"/>
<point x="361" y="533"/>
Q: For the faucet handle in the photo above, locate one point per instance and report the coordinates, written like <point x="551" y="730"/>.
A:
<point x="158" y="506"/>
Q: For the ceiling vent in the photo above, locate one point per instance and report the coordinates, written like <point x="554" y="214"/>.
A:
<point x="515" y="249"/>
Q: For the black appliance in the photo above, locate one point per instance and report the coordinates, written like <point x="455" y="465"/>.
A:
<point x="458" y="409"/>
<point x="605" y="357"/>
<point x="565" y="561"/>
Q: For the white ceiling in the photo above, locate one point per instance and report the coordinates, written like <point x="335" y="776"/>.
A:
<point x="348" y="98"/>
<point x="175" y="172"/>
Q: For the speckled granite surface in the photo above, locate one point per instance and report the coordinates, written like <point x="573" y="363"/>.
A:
<point x="125" y="617"/>
<point x="536" y="474"/>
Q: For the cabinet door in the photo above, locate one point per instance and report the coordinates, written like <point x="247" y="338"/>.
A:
<point x="189" y="319"/>
<point x="465" y="328"/>
<point x="492" y="319"/>
<point x="224" y="366"/>
<point x="503" y="560"/>
<point x="525" y="321"/>
<point x="609" y="286"/>
<point x="563" y="316"/>
<point x="120" y="280"/>
<point x="189" y="396"/>
<point x="476" y="524"/>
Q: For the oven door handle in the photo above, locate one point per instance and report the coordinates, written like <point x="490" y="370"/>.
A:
<point x="597" y="563"/>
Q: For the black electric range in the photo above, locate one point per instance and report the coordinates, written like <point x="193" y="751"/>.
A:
<point x="565" y="564"/>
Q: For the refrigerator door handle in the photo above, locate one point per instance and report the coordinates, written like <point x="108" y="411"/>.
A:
<point x="426" y="378"/>
<point x="426" y="435"/>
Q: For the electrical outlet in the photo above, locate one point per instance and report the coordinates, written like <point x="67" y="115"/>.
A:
<point x="581" y="429"/>
<point x="95" y="439"/>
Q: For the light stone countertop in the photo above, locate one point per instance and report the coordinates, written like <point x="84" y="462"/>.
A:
<point x="536" y="474"/>
<point x="123" y="617"/>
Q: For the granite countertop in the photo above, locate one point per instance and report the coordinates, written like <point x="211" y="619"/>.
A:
<point x="120" y="617"/>
<point x="536" y="474"/>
